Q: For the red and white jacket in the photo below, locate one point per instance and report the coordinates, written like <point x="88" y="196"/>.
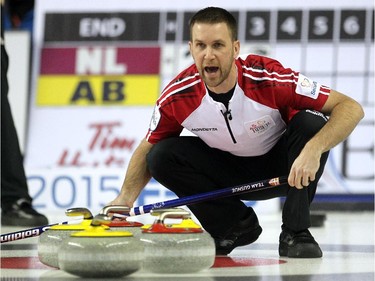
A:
<point x="266" y="97"/>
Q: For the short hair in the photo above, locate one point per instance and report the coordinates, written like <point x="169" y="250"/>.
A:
<point x="212" y="15"/>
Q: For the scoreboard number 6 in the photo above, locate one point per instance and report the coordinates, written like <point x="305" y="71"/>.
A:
<point x="351" y="25"/>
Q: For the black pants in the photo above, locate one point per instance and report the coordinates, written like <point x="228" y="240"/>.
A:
<point x="13" y="178"/>
<point x="187" y="166"/>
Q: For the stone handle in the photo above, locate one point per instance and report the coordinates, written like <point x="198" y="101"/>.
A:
<point x="74" y="212"/>
<point x="172" y="213"/>
<point x="114" y="209"/>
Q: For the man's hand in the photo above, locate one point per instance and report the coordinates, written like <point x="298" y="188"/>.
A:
<point x="121" y="200"/>
<point x="304" y="168"/>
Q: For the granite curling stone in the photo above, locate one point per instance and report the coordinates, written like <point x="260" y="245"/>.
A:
<point x="49" y="242"/>
<point x="176" y="248"/>
<point x="100" y="253"/>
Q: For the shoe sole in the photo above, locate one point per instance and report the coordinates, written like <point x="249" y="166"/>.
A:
<point x="242" y="241"/>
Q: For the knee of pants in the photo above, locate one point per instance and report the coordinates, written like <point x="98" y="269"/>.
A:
<point x="159" y="156"/>
<point x="307" y="123"/>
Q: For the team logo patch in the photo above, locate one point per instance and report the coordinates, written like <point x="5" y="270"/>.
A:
<point x="258" y="127"/>
<point x="307" y="87"/>
<point x="155" y="118"/>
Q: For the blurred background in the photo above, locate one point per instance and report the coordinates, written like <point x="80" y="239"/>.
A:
<point x="84" y="76"/>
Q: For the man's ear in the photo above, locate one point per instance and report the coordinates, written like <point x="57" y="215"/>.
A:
<point x="190" y="46"/>
<point x="236" y="47"/>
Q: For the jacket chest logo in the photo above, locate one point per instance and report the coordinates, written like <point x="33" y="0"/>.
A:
<point x="259" y="126"/>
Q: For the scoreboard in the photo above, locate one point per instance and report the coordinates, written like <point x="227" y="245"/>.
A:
<point x="332" y="46"/>
<point x="267" y="25"/>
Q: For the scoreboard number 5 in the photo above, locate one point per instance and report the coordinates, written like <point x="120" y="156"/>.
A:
<point x="320" y="25"/>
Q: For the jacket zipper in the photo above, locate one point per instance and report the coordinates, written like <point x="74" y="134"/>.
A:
<point x="228" y="116"/>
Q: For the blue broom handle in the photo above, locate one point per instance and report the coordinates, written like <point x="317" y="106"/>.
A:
<point x="211" y="195"/>
<point x="196" y="198"/>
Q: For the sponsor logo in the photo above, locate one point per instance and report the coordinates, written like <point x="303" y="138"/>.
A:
<point x="158" y="205"/>
<point x="259" y="126"/>
<point x="307" y="87"/>
<point x="306" y="83"/>
<point x="155" y="118"/>
<point x="105" y="140"/>
<point x="247" y="187"/>
<point x="313" y="91"/>
<point x="20" y="235"/>
<point x="317" y="113"/>
<point x="204" y="129"/>
<point x="274" y="182"/>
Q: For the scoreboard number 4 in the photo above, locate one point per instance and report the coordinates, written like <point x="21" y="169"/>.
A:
<point x="289" y="26"/>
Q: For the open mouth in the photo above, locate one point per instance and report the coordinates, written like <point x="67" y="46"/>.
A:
<point x="211" y="69"/>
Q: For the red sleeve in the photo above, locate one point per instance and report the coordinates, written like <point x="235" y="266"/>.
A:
<point x="180" y="97"/>
<point x="268" y="82"/>
<point x="162" y="125"/>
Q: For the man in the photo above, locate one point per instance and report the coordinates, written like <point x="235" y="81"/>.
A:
<point x="16" y="203"/>
<point x="254" y="120"/>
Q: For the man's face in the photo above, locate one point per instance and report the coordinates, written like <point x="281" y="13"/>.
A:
<point x="214" y="52"/>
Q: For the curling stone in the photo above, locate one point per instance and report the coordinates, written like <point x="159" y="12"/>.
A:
<point x="122" y="224"/>
<point x="181" y="248"/>
<point x="100" y="253"/>
<point x="50" y="240"/>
